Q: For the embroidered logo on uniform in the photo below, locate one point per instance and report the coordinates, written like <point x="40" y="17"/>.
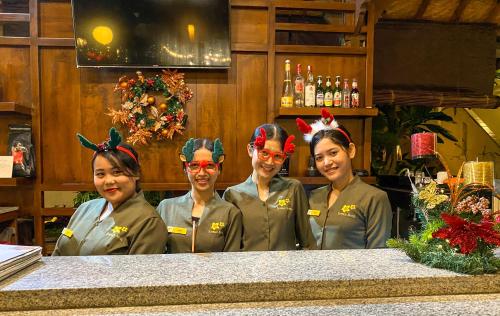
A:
<point x="346" y="209"/>
<point x="67" y="232"/>
<point x="283" y="203"/>
<point x="216" y="227"/>
<point x="177" y="230"/>
<point x="313" y="212"/>
<point x="117" y="232"/>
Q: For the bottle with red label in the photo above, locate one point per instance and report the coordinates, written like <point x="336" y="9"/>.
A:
<point x="354" y="94"/>
<point x="298" y="91"/>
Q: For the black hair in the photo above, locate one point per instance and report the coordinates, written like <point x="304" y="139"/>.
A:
<point x="334" y="135"/>
<point x="203" y="143"/>
<point x="273" y="131"/>
<point x="123" y="161"/>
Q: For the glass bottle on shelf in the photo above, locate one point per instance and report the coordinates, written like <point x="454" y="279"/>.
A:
<point x="310" y="89"/>
<point x="354" y="94"/>
<point x="346" y="95"/>
<point x="298" y="93"/>
<point x="320" y="94"/>
<point x="287" y="92"/>
<point x="328" y="92"/>
<point x="337" y="93"/>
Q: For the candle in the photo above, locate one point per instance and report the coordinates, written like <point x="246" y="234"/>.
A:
<point x="423" y="145"/>
<point x="480" y="172"/>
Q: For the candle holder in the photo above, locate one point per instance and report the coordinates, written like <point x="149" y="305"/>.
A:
<point x="423" y="145"/>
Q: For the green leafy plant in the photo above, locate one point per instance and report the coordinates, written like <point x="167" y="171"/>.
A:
<point x="393" y="127"/>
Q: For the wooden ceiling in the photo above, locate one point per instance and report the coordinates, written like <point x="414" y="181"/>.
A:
<point x="445" y="11"/>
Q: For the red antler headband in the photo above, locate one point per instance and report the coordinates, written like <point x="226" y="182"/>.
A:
<point x="327" y="122"/>
<point x="260" y="142"/>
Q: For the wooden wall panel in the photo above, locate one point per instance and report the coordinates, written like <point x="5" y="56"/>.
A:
<point x="60" y="116"/>
<point x="15" y="75"/>
<point x="249" y="26"/>
<point x="55" y="19"/>
<point x="324" y="65"/>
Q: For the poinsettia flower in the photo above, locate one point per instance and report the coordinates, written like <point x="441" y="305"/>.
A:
<point x="466" y="234"/>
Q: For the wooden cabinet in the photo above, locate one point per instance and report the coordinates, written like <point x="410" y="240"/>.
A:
<point x="322" y="34"/>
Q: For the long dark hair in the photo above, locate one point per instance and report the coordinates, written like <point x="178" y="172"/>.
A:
<point x="332" y="134"/>
<point x="119" y="159"/>
<point x="273" y="131"/>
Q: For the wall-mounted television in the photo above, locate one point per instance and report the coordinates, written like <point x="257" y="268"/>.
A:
<point x="152" y="33"/>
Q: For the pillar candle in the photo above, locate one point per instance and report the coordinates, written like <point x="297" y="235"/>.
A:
<point x="423" y="145"/>
<point x="481" y="172"/>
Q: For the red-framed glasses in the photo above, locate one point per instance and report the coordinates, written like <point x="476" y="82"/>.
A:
<point x="195" y="167"/>
<point x="265" y="154"/>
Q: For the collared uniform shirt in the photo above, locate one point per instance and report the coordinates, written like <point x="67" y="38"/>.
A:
<point x="132" y="228"/>
<point x="360" y="218"/>
<point x="279" y="223"/>
<point x="218" y="230"/>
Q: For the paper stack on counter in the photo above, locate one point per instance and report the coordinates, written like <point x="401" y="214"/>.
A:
<point x="14" y="258"/>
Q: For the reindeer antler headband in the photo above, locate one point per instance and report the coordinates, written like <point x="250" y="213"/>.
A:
<point x="187" y="153"/>
<point x="110" y="144"/>
<point x="327" y="122"/>
<point x="260" y="141"/>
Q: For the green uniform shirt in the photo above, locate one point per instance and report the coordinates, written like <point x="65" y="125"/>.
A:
<point x="132" y="228"/>
<point x="219" y="228"/>
<point x="277" y="224"/>
<point x="361" y="217"/>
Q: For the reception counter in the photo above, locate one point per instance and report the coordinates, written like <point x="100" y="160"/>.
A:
<point x="382" y="281"/>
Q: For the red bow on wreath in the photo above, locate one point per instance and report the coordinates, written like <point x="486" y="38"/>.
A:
<point x="465" y="234"/>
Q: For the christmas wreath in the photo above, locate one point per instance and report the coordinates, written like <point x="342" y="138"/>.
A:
<point x="459" y="230"/>
<point x="152" y="107"/>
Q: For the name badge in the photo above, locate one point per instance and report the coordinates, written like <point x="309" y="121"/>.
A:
<point x="177" y="230"/>
<point x="313" y="212"/>
<point x="67" y="232"/>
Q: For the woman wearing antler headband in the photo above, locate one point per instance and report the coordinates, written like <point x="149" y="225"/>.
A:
<point x="274" y="209"/>
<point x="122" y="222"/>
<point x="201" y="221"/>
<point x="347" y="213"/>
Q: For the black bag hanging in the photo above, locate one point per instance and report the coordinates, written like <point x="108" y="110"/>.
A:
<point x="21" y="148"/>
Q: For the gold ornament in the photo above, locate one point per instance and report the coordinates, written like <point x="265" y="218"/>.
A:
<point x="124" y="85"/>
<point x="151" y="100"/>
<point x="162" y="107"/>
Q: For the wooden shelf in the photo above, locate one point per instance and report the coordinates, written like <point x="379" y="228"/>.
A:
<point x="12" y="107"/>
<point x="249" y="47"/>
<point x="315" y="5"/>
<point x="15" y="41"/>
<point x="309" y="27"/>
<point x="317" y="49"/>
<point x="15" y="182"/>
<point x="14" y="17"/>
<point x="57" y="42"/>
<point x="58" y="211"/>
<point x="316" y="112"/>
<point x="8" y="216"/>
<point x="249" y="3"/>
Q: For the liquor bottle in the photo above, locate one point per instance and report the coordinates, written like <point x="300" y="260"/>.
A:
<point x="337" y="93"/>
<point x="354" y="94"/>
<point x="346" y="95"/>
<point x="287" y="93"/>
<point x="298" y="93"/>
<point x="310" y="89"/>
<point x="320" y="93"/>
<point x="328" y="92"/>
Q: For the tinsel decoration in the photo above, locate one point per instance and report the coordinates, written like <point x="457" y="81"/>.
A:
<point x="152" y="107"/>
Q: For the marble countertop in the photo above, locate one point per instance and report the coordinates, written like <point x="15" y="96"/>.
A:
<point x="151" y="280"/>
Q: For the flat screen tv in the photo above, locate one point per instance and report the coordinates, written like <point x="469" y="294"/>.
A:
<point x="152" y="33"/>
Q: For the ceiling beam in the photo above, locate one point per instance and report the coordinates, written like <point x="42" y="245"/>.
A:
<point x="421" y="9"/>
<point x="459" y="10"/>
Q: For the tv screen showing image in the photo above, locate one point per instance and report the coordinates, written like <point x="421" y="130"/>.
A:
<point x="152" y="33"/>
